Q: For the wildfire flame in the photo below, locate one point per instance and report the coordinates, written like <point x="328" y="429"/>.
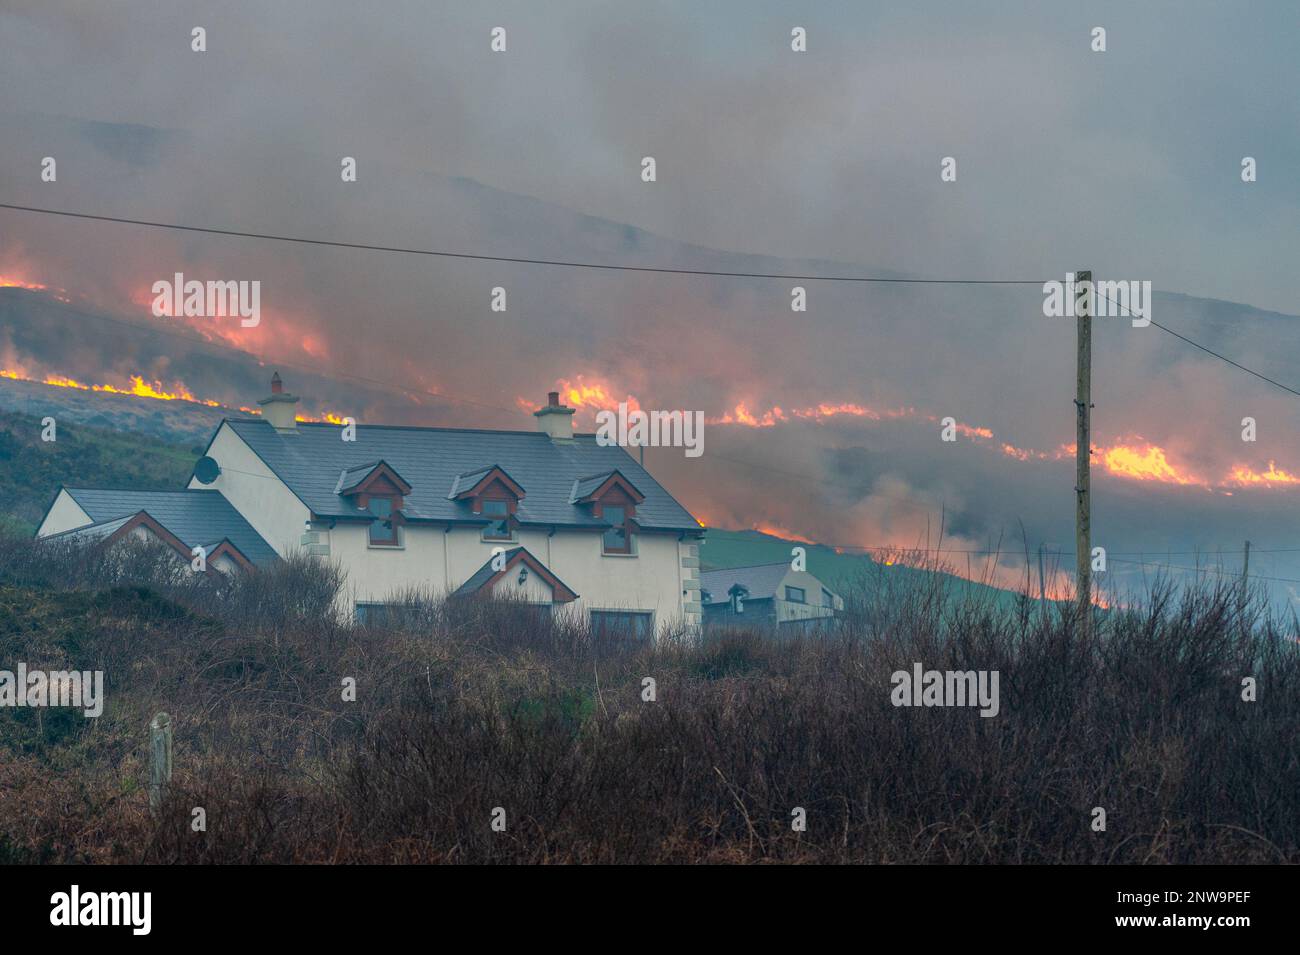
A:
<point x="1132" y="458"/>
<point x="775" y="530"/>
<point x="823" y="411"/>
<point x="11" y="281"/>
<point x="1273" y="477"/>
<point x="1145" y="464"/>
<point x="139" y="388"/>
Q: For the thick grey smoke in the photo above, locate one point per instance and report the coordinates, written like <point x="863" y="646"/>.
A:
<point x="826" y="162"/>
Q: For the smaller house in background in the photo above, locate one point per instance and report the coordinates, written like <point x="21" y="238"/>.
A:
<point x="767" y="594"/>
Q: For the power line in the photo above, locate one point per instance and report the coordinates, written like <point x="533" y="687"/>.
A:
<point x="663" y="270"/>
<point x="1206" y="570"/>
<point x="1211" y="351"/>
<point x="338" y="244"/>
<point x="1204" y="348"/>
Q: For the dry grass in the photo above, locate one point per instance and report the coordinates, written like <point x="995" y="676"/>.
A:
<point x="463" y="708"/>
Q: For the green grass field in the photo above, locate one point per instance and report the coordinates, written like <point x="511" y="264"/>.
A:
<point x="31" y="470"/>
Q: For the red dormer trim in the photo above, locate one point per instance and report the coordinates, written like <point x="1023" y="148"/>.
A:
<point x="381" y="481"/>
<point x="495" y="483"/>
<point x="616" y="489"/>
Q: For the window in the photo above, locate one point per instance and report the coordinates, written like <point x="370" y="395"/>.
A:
<point x="828" y="599"/>
<point x="383" y="529"/>
<point x="631" y="624"/>
<point x="618" y="539"/>
<point x="499" y="529"/>
<point x="796" y="595"/>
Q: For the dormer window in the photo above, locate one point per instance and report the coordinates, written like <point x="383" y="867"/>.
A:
<point x="613" y="499"/>
<point x="378" y="492"/>
<point x="493" y="495"/>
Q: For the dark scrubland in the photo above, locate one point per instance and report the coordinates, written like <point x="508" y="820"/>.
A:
<point x="463" y="707"/>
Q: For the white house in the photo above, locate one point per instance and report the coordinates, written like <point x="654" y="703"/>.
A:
<point x="767" y="594"/>
<point x="548" y="516"/>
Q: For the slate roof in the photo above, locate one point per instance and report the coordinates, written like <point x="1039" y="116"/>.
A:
<point x="351" y="477"/>
<point x="463" y="482"/>
<point x="310" y="459"/>
<point x="199" y="517"/>
<point x="760" y="580"/>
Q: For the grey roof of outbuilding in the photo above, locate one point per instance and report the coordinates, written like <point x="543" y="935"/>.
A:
<point x="199" y="517"/>
<point x="309" y="459"/>
<point x="96" y="531"/>
<point x="760" y="580"/>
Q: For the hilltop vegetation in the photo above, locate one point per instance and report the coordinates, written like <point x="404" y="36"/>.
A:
<point x="462" y="708"/>
<point x="31" y="470"/>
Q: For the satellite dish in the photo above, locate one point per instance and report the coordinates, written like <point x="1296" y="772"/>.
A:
<point x="207" y="470"/>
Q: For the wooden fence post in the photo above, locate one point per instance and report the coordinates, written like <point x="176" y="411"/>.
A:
<point x="160" y="760"/>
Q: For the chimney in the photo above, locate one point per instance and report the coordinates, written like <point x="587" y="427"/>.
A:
<point x="555" y="419"/>
<point x="278" y="407"/>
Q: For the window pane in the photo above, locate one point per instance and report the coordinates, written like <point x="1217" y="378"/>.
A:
<point x="795" y="595"/>
<point x="382" y="529"/>
<point x="614" y="623"/>
<point x="615" y="539"/>
<point x="498" y="529"/>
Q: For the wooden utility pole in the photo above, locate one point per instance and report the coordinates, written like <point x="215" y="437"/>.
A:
<point x="1083" y="447"/>
<point x="1042" y="587"/>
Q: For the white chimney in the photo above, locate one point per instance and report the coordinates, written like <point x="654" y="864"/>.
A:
<point x="555" y="419"/>
<point x="278" y="407"/>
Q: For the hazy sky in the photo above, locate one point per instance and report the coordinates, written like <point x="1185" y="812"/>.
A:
<point x="1126" y="161"/>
